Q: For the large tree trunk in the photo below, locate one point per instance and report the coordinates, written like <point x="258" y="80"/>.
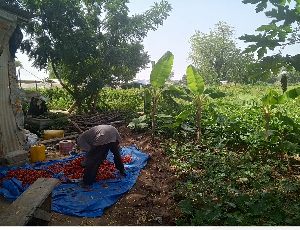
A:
<point x="72" y="107"/>
<point x="96" y="98"/>
<point x="75" y="94"/>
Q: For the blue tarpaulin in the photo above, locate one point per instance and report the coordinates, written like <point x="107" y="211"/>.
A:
<point x="70" y="199"/>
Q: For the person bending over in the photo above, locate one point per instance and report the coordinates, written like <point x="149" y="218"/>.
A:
<point x="97" y="142"/>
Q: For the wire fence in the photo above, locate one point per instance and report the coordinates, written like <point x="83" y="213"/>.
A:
<point x="26" y="84"/>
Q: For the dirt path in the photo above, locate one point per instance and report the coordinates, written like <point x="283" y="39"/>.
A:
<point x="148" y="203"/>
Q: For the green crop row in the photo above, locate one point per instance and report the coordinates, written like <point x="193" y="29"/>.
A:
<point x="242" y="172"/>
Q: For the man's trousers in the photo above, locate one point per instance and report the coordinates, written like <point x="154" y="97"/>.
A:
<point x="94" y="158"/>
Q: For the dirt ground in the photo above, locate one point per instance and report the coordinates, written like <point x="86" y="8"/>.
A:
<point x="148" y="203"/>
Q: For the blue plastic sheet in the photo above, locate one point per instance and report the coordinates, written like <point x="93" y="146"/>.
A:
<point x="70" y="199"/>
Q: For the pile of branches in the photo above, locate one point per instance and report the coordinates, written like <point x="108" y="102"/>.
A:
<point x="84" y="122"/>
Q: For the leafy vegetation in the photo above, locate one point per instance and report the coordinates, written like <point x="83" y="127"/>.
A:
<point x="239" y="177"/>
<point x="86" y="44"/>
<point x="228" y="188"/>
<point x="139" y="124"/>
<point x="159" y="74"/>
<point x="233" y="147"/>
<point x="241" y="173"/>
<point x="124" y="100"/>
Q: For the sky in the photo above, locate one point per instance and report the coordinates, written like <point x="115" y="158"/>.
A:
<point x="186" y="17"/>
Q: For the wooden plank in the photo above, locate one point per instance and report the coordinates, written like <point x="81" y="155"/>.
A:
<point x="75" y="125"/>
<point x="42" y="214"/>
<point x="23" y="208"/>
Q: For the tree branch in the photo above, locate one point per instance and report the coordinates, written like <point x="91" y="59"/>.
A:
<point x="60" y="81"/>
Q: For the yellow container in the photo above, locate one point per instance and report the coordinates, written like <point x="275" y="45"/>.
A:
<point x="37" y="153"/>
<point x="51" y="134"/>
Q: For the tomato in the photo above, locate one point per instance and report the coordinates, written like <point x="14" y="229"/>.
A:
<point x="127" y="159"/>
<point x="70" y="170"/>
<point x="26" y="176"/>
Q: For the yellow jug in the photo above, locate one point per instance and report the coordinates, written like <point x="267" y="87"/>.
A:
<point x="51" y="134"/>
<point x="37" y="153"/>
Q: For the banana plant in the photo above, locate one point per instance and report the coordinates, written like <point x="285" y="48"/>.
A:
<point x="272" y="98"/>
<point x="159" y="74"/>
<point x="196" y="85"/>
<point x="197" y="95"/>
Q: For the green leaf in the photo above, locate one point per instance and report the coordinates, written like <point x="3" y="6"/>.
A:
<point x="291" y="94"/>
<point x="162" y="70"/>
<point x="261" y="52"/>
<point x="266" y="27"/>
<point x="186" y="207"/>
<point x="283" y="3"/>
<point x="265" y="134"/>
<point x="261" y="6"/>
<point x="282" y="99"/>
<point x="213" y="93"/>
<point x="194" y="80"/>
<point x="271" y="98"/>
<point x="194" y="165"/>
<point x="177" y="92"/>
<point x="184" y="115"/>
<point x="294" y="93"/>
<point x="289" y="186"/>
<point x="179" y="118"/>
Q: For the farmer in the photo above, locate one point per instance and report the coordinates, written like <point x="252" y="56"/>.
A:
<point x="96" y="142"/>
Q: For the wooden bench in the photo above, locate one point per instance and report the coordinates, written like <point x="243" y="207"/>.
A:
<point x="32" y="206"/>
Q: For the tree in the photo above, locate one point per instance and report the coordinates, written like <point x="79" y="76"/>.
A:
<point x="171" y="76"/>
<point x="90" y="43"/>
<point x="282" y="31"/>
<point x="216" y="56"/>
<point x="293" y="76"/>
<point x="183" y="80"/>
<point x="18" y="64"/>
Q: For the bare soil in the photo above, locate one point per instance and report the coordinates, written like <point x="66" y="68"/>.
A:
<point x="148" y="203"/>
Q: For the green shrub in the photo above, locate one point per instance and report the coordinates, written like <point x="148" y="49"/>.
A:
<point x="227" y="188"/>
<point x="139" y="124"/>
<point x="125" y="100"/>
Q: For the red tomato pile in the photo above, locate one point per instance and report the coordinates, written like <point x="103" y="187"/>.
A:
<point x="127" y="159"/>
<point x="26" y="176"/>
<point x="71" y="170"/>
<point x="106" y="171"/>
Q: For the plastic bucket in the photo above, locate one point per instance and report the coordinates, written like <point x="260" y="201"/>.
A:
<point x="51" y="134"/>
<point x="37" y="153"/>
<point x="65" y="147"/>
